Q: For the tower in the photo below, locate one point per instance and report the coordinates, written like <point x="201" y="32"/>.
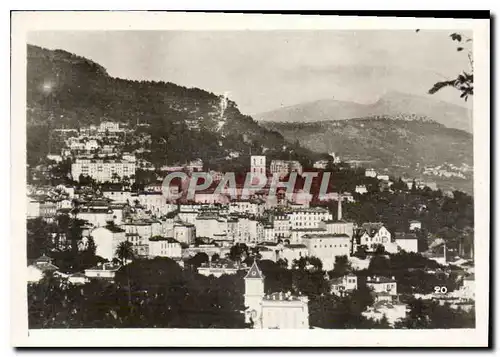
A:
<point x="258" y="164"/>
<point x="254" y="293"/>
<point x="339" y="207"/>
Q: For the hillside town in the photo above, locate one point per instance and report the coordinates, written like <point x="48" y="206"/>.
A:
<point x="97" y="209"/>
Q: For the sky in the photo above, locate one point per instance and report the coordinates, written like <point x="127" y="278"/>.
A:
<point x="265" y="70"/>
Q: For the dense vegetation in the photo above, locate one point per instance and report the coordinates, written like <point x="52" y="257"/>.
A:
<point x="65" y="90"/>
<point x="404" y="147"/>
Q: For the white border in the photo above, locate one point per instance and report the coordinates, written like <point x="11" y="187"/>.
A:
<point x="33" y="21"/>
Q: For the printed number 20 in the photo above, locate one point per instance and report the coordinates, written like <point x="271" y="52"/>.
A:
<point x="441" y="289"/>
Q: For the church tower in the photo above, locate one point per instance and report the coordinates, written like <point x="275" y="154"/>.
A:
<point x="254" y="293"/>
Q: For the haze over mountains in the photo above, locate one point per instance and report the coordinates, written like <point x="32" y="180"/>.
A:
<point x="391" y="105"/>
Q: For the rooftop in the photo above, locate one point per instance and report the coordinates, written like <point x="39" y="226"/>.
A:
<point x="324" y="236"/>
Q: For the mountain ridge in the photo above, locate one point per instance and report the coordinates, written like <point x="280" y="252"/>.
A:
<point x="391" y="104"/>
<point x="67" y="90"/>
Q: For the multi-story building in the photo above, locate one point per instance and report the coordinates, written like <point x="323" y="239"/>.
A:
<point x="372" y="234"/>
<point x="109" y="126"/>
<point x="258" y="165"/>
<point x="106" y="240"/>
<point x="308" y="217"/>
<point x="382" y="285"/>
<point x="210" y="225"/>
<point x="282" y="226"/>
<point x="103" y="170"/>
<point x="344" y="284"/>
<point x="184" y="233"/>
<point x="327" y="246"/>
<point x="164" y="247"/>
<point x="279" y="167"/>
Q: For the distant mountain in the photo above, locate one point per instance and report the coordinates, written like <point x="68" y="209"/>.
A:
<point x="66" y="90"/>
<point x="404" y="147"/>
<point x="392" y="105"/>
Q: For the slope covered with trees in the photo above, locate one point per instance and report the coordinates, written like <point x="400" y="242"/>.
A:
<point x="65" y="90"/>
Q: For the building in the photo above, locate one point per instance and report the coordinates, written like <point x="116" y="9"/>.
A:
<point x="103" y="170"/>
<point x="344" y="284"/>
<point x="274" y="311"/>
<point x="96" y="216"/>
<point x="103" y="271"/>
<point x="78" y="279"/>
<point x="297" y="234"/>
<point x="320" y="164"/>
<point x="109" y="126"/>
<point x="361" y="189"/>
<point x="184" y="233"/>
<point x="164" y="247"/>
<point x="221" y="267"/>
<point x="291" y="252"/>
<point x="407" y="241"/>
<point x="327" y="246"/>
<point x="415" y="225"/>
<point x="279" y="167"/>
<point x="372" y="234"/>
<point x="308" y="217"/>
<point x="258" y="165"/>
<point x="383" y="177"/>
<point x="107" y="240"/>
<point x="210" y="225"/>
<point x="382" y="285"/>
<point x="39" y="268"/>
<point x="370" y="173"/>
<point x="282" y="226"/>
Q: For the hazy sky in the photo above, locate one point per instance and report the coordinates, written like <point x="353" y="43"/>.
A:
<point x="263" y="70"/>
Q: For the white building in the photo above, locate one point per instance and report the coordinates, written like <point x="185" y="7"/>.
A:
<point x="103" y="271"/>
<point x="109" y="126"/>
<point x="221" y="267"/>
<point x="308" y="217"/>
<point x="258" y="165"/>
<point x="291" y="252"/>
<point x="164" y="247"/>
<point x="107" y="240"/>
<point x="344" y="284"/>
<point x="370" y="173"/>
<point x="382" y="285"/>
<point x="39" y="268"/>
<point x="415" y="225"/>
<point x="184" y="233"/>
<point x="102" y="170"/>
<point x="96" y="216"/>
<point x="372" y="234"/>
<point x="320" y="164"/>
<point x="274" y="311"/>
<point x="361" y="189"/>
<point x="327" y="246"/>
<point x="407" y="241"/>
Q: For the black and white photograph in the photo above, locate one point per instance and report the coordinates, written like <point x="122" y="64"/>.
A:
<point x="328" y="181"/>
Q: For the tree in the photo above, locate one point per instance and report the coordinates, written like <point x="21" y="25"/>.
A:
<point x="305" y="262"/>
<point x="215" y="257"/>
<point x="125" y="252"/>
<point x="341" y="267"/>
<point x="464" y="82"/>
<point x="199" y="259"/>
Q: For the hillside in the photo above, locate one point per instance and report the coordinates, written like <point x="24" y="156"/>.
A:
<point x="403" y="147"/>
<point x="65" y="90"/>
<point x="393" y="104"/>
